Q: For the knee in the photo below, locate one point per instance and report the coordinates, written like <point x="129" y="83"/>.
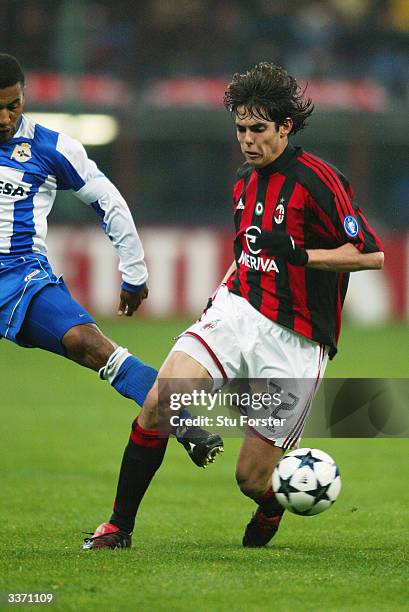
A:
<point x="87" y="346"/>
<point x="253" y="484"/>
<point x="74" y="343"/>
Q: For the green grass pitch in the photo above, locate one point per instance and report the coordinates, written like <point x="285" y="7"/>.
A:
<point x="62" y="437"/>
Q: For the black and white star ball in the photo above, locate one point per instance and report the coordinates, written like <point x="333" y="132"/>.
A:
<point x="306" y="481"/>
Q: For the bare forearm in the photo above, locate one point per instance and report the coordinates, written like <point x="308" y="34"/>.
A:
<point x="229" y="271"/>
<point x="344" y="259"/>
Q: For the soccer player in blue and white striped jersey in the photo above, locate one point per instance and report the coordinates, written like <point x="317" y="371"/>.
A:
<point x="36" y="308"/>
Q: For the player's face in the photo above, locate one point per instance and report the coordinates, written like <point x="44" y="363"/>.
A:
<point x="261" y="141"/>
<point x="11" y="107"/>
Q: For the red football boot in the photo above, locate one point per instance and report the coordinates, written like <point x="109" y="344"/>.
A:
<point x="108" y="535"/>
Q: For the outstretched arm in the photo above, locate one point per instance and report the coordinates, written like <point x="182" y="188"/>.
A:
<point x="76" y="171"/>
<point x="345" y="258"/>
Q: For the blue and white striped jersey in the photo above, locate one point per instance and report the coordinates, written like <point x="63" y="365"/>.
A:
<point x="33" y="166"/>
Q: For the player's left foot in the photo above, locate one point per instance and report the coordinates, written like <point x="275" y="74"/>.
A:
<point x="107" y="535"/>
<point x="261" y="529"/>
<point x="202" y="446"/>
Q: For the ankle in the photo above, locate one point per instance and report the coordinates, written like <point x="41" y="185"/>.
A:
<point x="269" y="505"/>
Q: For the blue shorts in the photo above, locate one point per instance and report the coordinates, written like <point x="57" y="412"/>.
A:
<point x="36" y="308"/>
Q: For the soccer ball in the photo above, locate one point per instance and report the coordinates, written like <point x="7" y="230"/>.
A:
<point x="306" y="481"/>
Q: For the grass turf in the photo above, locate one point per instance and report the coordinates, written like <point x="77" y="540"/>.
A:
<point x="62" y="438"/>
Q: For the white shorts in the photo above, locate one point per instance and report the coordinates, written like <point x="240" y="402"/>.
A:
<point x="232" y="340"/>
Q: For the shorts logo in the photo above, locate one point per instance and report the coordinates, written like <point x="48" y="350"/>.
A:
<point x="31" y="275"/>
<point x="251" y="238"/>
<point x="351" y="226"/>
<point x="279" y="213"/>
<point x="22" y="152"/>
<point x="240" y="205"/>
<point x="211" y="324"/>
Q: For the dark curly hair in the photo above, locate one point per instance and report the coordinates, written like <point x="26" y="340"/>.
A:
<point x="10" y="71"/>
<point x="270" y="92"/>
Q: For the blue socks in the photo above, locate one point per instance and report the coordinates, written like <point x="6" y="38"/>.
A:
<point x="131" y="377"/>
<point x="134" y="379"/>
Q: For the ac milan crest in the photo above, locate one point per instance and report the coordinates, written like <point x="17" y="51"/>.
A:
<point x="279" y="214"/>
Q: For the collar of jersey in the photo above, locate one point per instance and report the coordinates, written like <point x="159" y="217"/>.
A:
<point x="20" y="124"/>
<point x="280" y="163"/>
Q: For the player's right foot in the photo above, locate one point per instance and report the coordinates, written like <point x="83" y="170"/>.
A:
<point x="261" y="529"/>
<point x="108" y="535"/>
<point x="202" y="446"/>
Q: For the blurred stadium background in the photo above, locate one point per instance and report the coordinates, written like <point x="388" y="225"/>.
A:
<point x="141" y="85"/>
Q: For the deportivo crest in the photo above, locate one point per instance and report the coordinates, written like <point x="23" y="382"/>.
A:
<point x="351" y="226"/>
<point x="279" y="213"/>
<point x="22" y="152"/>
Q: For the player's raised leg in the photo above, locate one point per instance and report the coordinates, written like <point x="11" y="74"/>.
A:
<point x="146" y="447"/>
<point x="255" y="465"/>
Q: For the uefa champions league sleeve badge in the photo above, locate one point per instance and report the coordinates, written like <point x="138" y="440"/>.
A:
<point x="351" y="226"/>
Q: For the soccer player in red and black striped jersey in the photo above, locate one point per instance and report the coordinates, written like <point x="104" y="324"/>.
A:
<point x="277" y="314"/>
<point x="295" y="207"/>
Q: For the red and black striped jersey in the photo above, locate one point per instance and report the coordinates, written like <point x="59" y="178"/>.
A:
<point x="312" y="200"/>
